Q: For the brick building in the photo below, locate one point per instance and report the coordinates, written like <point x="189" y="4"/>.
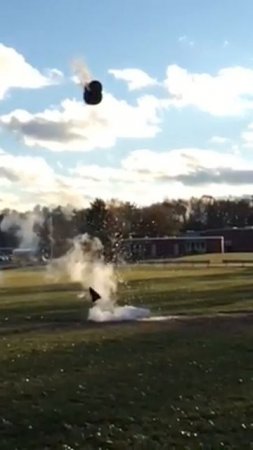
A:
<point x="170" y="247"/>
<point x="235" y="239"/>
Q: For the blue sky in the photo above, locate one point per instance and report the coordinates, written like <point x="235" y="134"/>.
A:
<point x="186" y="128"/>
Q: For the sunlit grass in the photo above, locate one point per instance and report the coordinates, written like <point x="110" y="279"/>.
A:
<point x="216" y="258"/>
<point x="179" y="384"/>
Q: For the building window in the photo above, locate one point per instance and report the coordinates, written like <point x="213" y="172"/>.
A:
<point x="195" y="247"/>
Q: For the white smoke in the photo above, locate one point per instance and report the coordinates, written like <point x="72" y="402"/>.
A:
<point x="103" y="313"/>
<point x="84" y="264"/>
<point x="23" y="228"/>
<point x="82" y="72"/>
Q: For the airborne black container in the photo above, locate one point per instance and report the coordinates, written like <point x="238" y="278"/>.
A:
<point x="92" y="94"/>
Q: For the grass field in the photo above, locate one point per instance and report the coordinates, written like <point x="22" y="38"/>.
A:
<point x="217" y="258"/>
<point x="235" y="258"/>
<point x="186" y="383"/>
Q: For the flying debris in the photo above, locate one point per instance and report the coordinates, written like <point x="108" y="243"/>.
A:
<point x="94" y="295"/>
<point x="92" y="93"/>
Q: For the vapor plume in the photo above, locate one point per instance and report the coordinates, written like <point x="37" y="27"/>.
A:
<point x="82" y="72"/>
<point x="24" y="228"/>
<point x="84" y="264"/>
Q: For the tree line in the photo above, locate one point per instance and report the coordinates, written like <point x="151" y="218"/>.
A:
<point x="113" y="221"/>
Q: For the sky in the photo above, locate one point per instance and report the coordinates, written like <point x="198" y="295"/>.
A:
<point x="176" y="119"/>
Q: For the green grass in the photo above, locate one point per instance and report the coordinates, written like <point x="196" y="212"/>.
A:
<point x="179" y="384"/>
<point x="217" y="258"/>
<point x="28" y="297"/>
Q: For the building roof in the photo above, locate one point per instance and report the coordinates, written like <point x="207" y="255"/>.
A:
<point x="167" y="238"/>
<point x="222" y="229"/>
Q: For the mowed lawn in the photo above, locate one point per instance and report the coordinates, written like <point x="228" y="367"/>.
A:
<point x="186" y="383"/>
<point x="218" y="258"/>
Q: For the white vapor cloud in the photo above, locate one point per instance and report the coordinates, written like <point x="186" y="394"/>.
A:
<point x="16" y="72"/>
<point x="135" y="78"/>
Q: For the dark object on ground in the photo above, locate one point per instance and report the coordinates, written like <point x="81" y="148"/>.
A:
<point x="92" y="93"/>
<point x="94" y="295"/>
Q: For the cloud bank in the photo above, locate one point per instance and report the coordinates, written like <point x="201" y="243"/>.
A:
<point x="143" y="177"/>
<point x="16" y="72"/>
<point x="74" y="127"/>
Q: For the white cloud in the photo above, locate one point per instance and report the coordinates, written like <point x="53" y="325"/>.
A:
<point x="186" y="40"/>
<point x="34" y="181"/>
<point x="225" y="43"/>
<point x="59" y="164"/>
<point x="135" y="78"/>
<point x="220" y="140"/>
<point x="247" y="136"/>
<point x="16" y="72"/>
<point x="11" y="201"/>
<point x="143" y="177"/>
<point x="146" y="176"/>
<point x="177" y="162"/>
<point x="78" y="127"/>
<point x="228" y="93"/>
<point x="27" y="169"/>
